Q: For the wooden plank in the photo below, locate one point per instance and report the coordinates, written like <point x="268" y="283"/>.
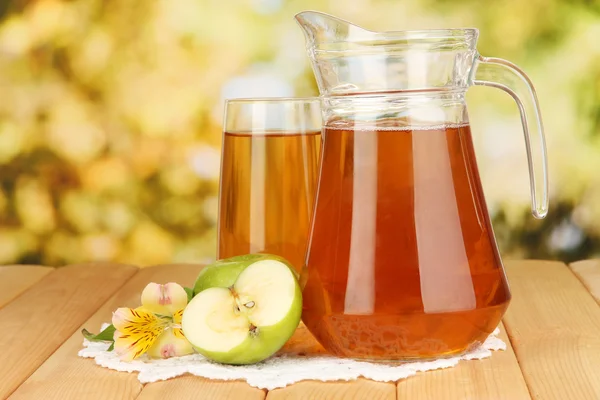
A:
<point x="588" y="272"/>
<point x="36" y="323"/>
<point x="553" y="323"/>
<point x="15" y="279"/>
<point x="497" y="377"/>
<point x="189" y="387"/>
<point x="65" y="375"/>
<point x="352" y="390"/>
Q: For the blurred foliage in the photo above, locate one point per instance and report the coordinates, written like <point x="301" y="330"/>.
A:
<point x="110" y="122"/>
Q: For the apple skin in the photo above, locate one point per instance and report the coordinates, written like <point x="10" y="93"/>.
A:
<point x="267" y="342"/>
<point x="223" y="273"/>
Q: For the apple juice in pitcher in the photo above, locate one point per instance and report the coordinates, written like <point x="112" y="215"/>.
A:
<point x="414" y="270"/>
<point x="402" y="262"/>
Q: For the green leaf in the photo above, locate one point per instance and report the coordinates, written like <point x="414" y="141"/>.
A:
<point x="111" y="347"/>
<point x="190" y="293"/>
<point x="105" y="336"/>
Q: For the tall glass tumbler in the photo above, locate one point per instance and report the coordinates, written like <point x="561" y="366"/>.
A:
<point x="269" y="171"/>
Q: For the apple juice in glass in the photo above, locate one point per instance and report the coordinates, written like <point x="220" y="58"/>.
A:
<point x="269" y="173"/>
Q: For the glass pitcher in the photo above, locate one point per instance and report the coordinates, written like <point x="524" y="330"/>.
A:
<point x="402" y="261"/>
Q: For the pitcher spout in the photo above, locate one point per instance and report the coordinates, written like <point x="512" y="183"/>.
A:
<point x="320" y="28"/>
<point x="348" y="59"/>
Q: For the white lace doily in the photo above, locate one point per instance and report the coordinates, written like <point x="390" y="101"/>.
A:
<point x="301" y="359"/>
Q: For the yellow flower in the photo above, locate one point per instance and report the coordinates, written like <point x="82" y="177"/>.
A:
<point x="136" y="331"/>
<point x="155" y="327"/>
<point x="164" y="299"/>
<point x="170" y="345"/>
<point x="177" y="320"/>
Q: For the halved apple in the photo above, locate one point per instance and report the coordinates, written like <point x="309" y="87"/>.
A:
<point x="250" y="319"/>
<point x="224" y="272"/>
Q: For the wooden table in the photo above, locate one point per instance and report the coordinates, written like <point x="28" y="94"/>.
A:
<point x="552" y="329"/>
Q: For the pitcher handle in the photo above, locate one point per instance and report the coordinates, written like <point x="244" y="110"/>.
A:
<point x="506" y="76"/>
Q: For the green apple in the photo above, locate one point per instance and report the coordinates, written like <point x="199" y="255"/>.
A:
<point x="244" y="310"/>
<point x="224" y="273"/>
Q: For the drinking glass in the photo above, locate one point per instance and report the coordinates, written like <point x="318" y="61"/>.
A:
<point x="269" y="169"/>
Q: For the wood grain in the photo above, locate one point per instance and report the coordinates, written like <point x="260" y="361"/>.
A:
<point x="15" y="279"/>
<point x="588" y="272"/>
<point x="66" y="376"/>
<point x="497" y="377"/>
<point x="554" y="324"/>
<point x="36" y="323"/>
<point x="352" y="390"/>
<point x="189" y="387"/>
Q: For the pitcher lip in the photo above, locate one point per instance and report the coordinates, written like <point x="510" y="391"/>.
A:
<point x="438" y="33"/>
<point x="468" y="34"/>
<point x="272" y="99"/>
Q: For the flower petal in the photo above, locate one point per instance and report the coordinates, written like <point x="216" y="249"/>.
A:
<point x="170" y="345"/>
<point x="128" y="320"/>
<point x="130" y="347"/>
<point x="136" y="331"/>
<point x="178" y="332"/>
<point x="177" y="315"/>
<point x="164" y="299"/>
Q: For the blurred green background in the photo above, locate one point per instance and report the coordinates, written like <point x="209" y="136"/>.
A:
<point x="110" y="117"/>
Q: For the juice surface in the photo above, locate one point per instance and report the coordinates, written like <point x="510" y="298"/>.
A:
<point x="402" y="261"/>
<point x="268" y="184"/>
